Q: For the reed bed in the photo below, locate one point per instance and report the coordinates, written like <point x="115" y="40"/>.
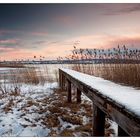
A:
<point x="123" y="73"/>
<point x="31" y="75"/>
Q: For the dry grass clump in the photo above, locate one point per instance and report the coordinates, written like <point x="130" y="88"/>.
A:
<point x="66" y="133"/>
<point x="15" y="91"/>
<point x="72" y="119"/>
<point x="55" y="110"/>
<point x="31" y="103"/>
<point x="85" y="128"/>
<point x="8" y="106"/>
<point x="53" y="133"/>
<point x="52" y="121"/>
<point x="29" y="75"/>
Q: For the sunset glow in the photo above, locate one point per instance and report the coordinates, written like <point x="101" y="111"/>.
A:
<point x="50" y="30"/>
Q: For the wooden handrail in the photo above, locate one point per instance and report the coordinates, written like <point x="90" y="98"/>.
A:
<point x="128" y="122"/>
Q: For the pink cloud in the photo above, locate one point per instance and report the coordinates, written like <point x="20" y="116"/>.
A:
<point x="14" y="53"/>
<point x="9" y="41"/>
<point x="4" y="49"/>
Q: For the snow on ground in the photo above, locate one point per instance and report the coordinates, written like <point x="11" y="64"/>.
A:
<point x="126" y="96"/>
<point x="33" y="112"/>
<point x="19" y="113"/>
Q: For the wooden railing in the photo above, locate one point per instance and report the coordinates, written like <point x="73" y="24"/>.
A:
<point x="128" y="122"/>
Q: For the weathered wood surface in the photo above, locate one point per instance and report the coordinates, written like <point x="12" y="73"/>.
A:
<point x="78" y="96"/>
<point x="127" y="120"/>
<point x="69" y="90"/>
<point x="98" y="121"/>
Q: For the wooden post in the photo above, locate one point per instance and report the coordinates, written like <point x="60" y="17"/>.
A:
<point x="78" y="96"/>
<point x="121" y="132"/>
<point x="60" y="79"/>
<point x="64" y="83"/>
<point x="69" y="90"/>
<point x="98" y="121"/>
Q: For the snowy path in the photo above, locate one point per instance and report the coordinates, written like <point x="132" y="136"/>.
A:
<point x="126" y="96"/>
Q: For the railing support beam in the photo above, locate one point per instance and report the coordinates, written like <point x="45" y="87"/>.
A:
<point x="98" y="121"/>
<point x="60" y="82"/>
<point x="63" y="82"/>
<point x="78" y="96"/>
<point x="69" y="90"/>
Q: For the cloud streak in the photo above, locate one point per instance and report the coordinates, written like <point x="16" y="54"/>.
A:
<point x="119" y="9"/>
<point x="9" y="41"/>
<point x="41" y="42"/>
<point x="39" y="33"/>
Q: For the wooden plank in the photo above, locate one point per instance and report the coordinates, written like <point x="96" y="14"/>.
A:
<point x="69" y="91"/>
<point x="121" y="132"/>
<point x="98" y="121"/>
<point x="78" y="96"/>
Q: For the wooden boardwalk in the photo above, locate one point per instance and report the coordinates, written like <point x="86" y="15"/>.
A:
<point x="128" y="122"/>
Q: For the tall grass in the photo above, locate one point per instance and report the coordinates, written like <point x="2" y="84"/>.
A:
<point x="117" y="71"/>
<point x="25" y="75"/>
<point x="31" y="75"/>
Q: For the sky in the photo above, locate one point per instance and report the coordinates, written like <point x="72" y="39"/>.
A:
<point x="51" y="30"/>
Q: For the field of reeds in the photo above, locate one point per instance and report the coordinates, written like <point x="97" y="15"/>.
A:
<point x="124" y="70"/>
<point x="29" y="75"/>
